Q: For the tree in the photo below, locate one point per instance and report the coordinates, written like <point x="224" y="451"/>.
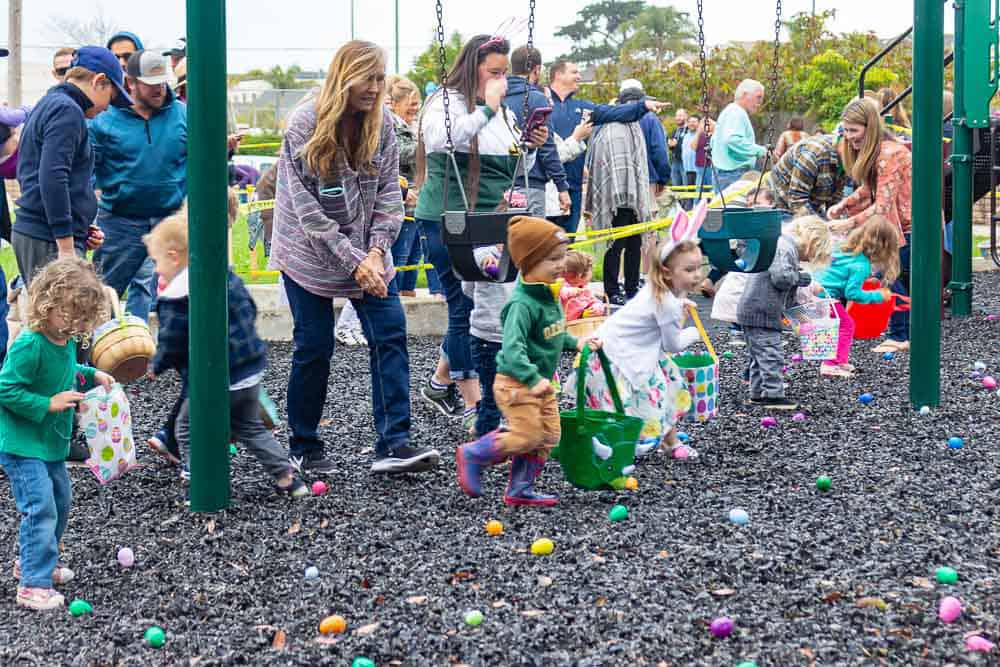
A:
<point x="281" y="79"/>
<point x="427" y="66"/>
<point x="72" y="31"/>
<point x="663" y="32"/>
<point x="602" y="30"/>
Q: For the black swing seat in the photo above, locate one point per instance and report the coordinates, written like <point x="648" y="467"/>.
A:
<point x="756" y="231"/>
<point x="463" y="232"/>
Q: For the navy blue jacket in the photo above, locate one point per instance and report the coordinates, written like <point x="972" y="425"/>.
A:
<point x="140" y="166"/>
<point x="247" y="352"/>
<point x="548" y="166"/>
<point x="656" y="148"/>
<point x="566" y="115"/>
<point x="54" y="166"/>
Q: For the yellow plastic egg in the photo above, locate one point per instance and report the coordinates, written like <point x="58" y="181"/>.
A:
<point x="542" y="547"/>
<point x="632" y="484"/>
<point x="494" y="527"/>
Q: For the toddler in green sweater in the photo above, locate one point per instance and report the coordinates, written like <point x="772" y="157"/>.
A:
<point x="38" y="393"/>
<point x="534" y="338"/>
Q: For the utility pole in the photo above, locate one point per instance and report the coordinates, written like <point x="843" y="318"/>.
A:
<point x="397" y="37"/>
<point x="14" y="60"/>
<point x="352" y="19"/>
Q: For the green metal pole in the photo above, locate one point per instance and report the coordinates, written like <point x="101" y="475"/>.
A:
<point x="925" y="282"/>
<point x="961" y="179"/>
<point x="207" y="202"/>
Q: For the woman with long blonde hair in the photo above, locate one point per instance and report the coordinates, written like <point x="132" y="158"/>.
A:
<point x="882" y="168"/>
<point x="338" y="210"/>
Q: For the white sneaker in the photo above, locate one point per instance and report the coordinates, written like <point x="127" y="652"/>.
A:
<point x="42" y="599"/>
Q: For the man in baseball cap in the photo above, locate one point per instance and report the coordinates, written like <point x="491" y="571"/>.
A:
<point x="177" y="52"/>
<point x="102" y="62"/>
<point x="141" y="171"/>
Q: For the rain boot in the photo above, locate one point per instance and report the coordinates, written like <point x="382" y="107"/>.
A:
<point x="524" y="470"/>
<point x="472" y="457"/>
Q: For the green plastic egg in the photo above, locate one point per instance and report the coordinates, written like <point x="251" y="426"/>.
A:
<point x="823" y="483"/>
<point x="618" y="513"/>
<point x="80" y="607"/>
<point x="474" y="617"/>
<point x="362" y="662"/>
<point x="946" y="575"/>
<point x="232" y="449"/>
<point x="155" y="637"/>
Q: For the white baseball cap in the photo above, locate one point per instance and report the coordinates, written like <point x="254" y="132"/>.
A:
<point x="148" y="67"/>
<point x="630" y="83"/>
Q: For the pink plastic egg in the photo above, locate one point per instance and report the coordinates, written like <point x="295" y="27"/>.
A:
<point x="681" y="452"/>
<point x="768" y="422"/>
<point x="319" y="487"/>
<point x="796" y="358"/>
<point x="721" y="627"/>
<point x="990" y="382"/>
<point x="950" y="609"/>
<point x="978" y="644"/>
<point x="799" y="417"/>
<point x="126" y="557"/>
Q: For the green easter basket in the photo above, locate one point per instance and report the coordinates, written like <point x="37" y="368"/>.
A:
<point x="597" y="448"/>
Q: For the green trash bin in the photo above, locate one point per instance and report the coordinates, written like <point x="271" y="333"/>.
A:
<point x="597" y="448"/>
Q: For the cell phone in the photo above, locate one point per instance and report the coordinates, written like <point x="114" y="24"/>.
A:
<point x="537" y="119"/>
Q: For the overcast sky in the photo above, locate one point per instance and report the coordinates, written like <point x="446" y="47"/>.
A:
<point x="262" y="33"/>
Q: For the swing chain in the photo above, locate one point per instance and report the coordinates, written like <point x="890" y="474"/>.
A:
<point x="531" y="43"/>
<point x="773" y="115"/>
<point x="443" y="63"/>
<point x="703" y="67"/>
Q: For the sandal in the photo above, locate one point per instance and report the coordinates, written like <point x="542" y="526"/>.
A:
<point x="890" y="345"/>
<point x="832" y="371"/>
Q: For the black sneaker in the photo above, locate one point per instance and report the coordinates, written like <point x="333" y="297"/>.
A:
<point x="617" y="299"/>
<point x="442" y="399"/>
<point x="774" y="403"/>
<point x="315" y="464"/>
<point x="407" y="459"/>
<point x="456" y="400"/>
<point x="78" y="451"/>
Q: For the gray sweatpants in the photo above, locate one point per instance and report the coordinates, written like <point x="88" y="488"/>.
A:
<point x="766" y="362"/>
<point x="32" y="254"/>
<point x="246" y="426"/>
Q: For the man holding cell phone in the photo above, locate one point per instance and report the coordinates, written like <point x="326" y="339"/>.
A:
<point x="526" y="68"/>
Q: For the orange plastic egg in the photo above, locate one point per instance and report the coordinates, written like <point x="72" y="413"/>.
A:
<point x="333" y="625"/>
<point x="632" y="484"/>
<point x="494" y="527"/>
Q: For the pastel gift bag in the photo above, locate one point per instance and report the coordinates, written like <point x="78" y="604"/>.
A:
<point x="701" y="375"/>
<point x="106" y="421"/>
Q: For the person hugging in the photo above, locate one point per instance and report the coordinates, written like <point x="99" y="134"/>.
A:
<point x="534" y="338"/>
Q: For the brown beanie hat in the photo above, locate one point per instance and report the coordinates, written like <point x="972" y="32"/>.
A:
<point x="529" y="240"/>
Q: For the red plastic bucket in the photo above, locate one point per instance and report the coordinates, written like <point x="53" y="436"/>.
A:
<point x="871" y="319"/>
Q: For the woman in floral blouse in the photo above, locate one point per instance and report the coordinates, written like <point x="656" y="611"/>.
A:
<point x="883" y="170"/>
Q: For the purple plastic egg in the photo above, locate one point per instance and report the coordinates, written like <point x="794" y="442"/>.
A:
<point x="768" y="422"/>
<point x="796" y="358"/>
<point x="799" y="417"/>
<point x="721" y="627"/>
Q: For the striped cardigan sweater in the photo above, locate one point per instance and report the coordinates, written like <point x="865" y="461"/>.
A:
<point x="809" y="176"/>
<point x="324" y="228"/>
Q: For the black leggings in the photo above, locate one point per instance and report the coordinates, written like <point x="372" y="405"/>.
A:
<point x="632" y="247"/>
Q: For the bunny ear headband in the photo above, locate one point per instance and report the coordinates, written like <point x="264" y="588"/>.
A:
<point x="684" y="228"/>
<point x="507" y="29"/>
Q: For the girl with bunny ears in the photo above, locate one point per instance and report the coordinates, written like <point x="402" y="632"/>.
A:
<point x="640" y="338"/>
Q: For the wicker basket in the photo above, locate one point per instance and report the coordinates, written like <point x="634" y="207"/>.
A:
<point x="585" y="326"/>
<point x="122" y="346"/>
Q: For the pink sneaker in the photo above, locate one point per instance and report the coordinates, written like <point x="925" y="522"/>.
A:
<point x="42" y="599"/>
<point x="61" y="575"/>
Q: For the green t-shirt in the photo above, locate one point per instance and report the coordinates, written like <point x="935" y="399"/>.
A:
<point x="35" y="370"/>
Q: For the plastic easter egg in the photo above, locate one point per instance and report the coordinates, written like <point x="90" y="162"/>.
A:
<point x="542" y="546"/>
<point x="796" y="358"/>
<point x="739" y="516"/>
<point x="683" y="437"/>
<point x="924" y="410"/>
<point x="319" y="487"/>
<point x="632" y="484"/>
<point x="866" y="398"/>
<point x="80" y="607"/>
<point x="335" y="624"/>
<point x="618" y="513"/>
<point x="990" y="382"/>
<point x="494" y="527"/>
<point x="680" y="452"/>
<point x="799" y="417"/>
<point x="721" y="627"/>
<point x="978" y="644"/>
<point x="888" y="356"/>
<point x="474" y="617"/>
<point x="746" y="663"/>
<point x="362" y="662"/>
<point x="728" y="354"/>
<point x="155" y="637"/>
<point x="618" y="483"/>
<point x="768" y="422"/>
<point x="979" y="366"/>
<point x="126" y="557"/>
<point x="312" y="572"/>
<point x="232" y="450"/>
<point x="950" y="609"/>
<point x="823" y="483"/>
<point x="946" y="575"/>
<point x="955" y="442"/>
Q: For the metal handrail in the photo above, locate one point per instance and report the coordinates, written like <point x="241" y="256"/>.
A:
<point x="878" y="56"/>
<point x="909" y="89"/>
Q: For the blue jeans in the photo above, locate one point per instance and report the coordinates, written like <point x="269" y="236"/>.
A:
<point x="123" y="261"/>
<point x="677" y="174"/>
<point x="410" y="249"/>
<point x="3" y="316"/>
<point x="726" y="177"/>
<point x="384" y="325"/>
<point x="484" y="354"/>
<point x="456" y="348"/>
<point x="43" y="494"/>
<point x="899" y="323"/>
